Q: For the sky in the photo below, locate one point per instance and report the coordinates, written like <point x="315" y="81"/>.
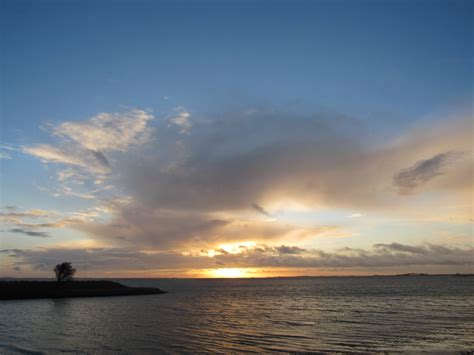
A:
<point x="230" y="138"/>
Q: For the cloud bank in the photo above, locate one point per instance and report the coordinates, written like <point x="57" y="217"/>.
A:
<point x="261" y="256"/>
<point x="172" y="185"/>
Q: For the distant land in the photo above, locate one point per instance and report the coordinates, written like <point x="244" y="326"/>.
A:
<point x="15" y="290"/>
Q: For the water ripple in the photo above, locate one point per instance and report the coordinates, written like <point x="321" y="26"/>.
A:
<point x="285" y="315"/>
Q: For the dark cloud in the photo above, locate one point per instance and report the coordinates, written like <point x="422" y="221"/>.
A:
<point x="236" y="158"/>
<point x="29" y="233"/>
<point x="387" y="257"/>
<point x="260" y="209"/>
<point x="307" y="171"/>
<point x="400" y="247"/>
<point x="101" y="158"/>
<point x="162" y="228"/>
<point x="289" y="250"/>
<point x="423" y="171"/>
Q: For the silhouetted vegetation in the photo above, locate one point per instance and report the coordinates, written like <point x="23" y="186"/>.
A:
<point x="64" y="272"/>
<point x="10" y="290"/>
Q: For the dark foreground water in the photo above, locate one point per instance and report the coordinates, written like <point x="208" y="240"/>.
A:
<point x="310" y="314"/>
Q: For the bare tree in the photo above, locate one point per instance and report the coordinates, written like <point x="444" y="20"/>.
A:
<point x="64" y="272"/>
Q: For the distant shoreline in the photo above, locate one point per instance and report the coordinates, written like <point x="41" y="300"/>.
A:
<point x="22" y="290"/>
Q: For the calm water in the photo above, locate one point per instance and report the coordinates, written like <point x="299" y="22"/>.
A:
<point x="312" y="314"/>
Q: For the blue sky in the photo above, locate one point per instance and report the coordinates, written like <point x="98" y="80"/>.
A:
<point x="399" y="58"/>
<point x="397" y="68"/>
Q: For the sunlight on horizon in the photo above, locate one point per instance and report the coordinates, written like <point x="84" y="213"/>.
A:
<point x="230" y="273"/>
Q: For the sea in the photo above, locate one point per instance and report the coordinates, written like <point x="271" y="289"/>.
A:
<point x="309" y="314"/>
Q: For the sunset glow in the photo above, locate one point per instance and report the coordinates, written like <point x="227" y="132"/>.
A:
<point x="256" y="176"/>
<point x="229" y="273"/>
<point x="308" y="138"/>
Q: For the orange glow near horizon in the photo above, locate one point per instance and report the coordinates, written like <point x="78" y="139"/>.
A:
<point x="230" y="273"/>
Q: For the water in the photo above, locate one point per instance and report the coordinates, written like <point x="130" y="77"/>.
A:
<point x="366" y="314"/>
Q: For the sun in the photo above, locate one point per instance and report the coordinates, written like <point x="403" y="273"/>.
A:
<point x="228" y="273"/>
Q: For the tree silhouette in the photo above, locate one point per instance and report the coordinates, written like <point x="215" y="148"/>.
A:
<point x="64" y="272"/>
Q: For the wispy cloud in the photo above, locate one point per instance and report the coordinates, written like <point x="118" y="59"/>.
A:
<point x="101" y="158"/>
<point x="260" y="209"/>
<point x="32" y="222"/>
<point x="83" y="143"/>
<point x="14" y="212"/>
<point x="29" y="233"/>
<point x="181" y="119"/>
<point x="108" y="131"/>
<point x="5" y="156"/>
<point x="423" y="171"/>
<point x="5" y="151"/>
<point x="82" y="148"/>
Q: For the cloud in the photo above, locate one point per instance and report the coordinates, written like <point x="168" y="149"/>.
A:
<point x="387" y="256"/>
<point x="315" y="160"/>
<point x="5" y="156"/>
<point x="133" y="224"/>
<point x="83" y="143"/>
<point x="29" y="222"/>
<point x="5" y="151"/>
<point x="82" y="147"/>
<point x="197" y="188"/>
<point x="305" y="171"/>
<point x="182" y="120"/>
<point x="108" y="131"/>
<point x="423" y="171"/>
<point x="13" y="212"/>
<point x="260" y="209"/>
<point x="89" y="160"/>
<point x="29" y="233"/>
<point x="259" y="256"/>
<point x="50" y="154"/>
<point x="101" y="158"/>
<point x="289" y="250"/>
<point x="400" y="248"/>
